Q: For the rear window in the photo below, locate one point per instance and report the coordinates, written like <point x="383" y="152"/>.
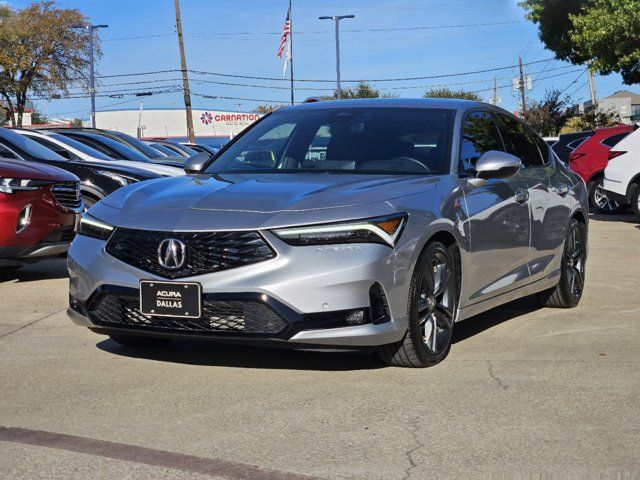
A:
<point x="614" y="139"/>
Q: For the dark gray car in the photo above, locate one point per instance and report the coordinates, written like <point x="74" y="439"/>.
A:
<point x="367" y="223"/>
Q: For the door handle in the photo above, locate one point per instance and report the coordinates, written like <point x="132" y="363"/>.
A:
<point x="562" y="189"/>
<point x="521" y="195"/>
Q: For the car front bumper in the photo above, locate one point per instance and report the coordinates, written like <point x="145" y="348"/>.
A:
<point x="310" y="290"/>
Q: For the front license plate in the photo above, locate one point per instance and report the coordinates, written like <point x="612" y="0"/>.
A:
<point x="170" y="299"/>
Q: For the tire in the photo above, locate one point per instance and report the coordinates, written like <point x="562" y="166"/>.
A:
<point x="568" y="292"/>
<point x="600" y="202"/>
<point x="140" y="342"/>
<point x="431" y="307"/>
<point x="635" y="201"/>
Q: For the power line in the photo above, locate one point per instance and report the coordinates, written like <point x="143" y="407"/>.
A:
<point x="371" y="80"/>
<point x="312" y="32"/>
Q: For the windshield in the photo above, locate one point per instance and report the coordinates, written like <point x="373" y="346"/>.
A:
<point x="81" y="147"/>
<point x="346" y="140"/>
<point x="28" y="146"/>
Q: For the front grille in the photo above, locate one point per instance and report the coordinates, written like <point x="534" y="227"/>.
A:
<point x="68" y="195"/>
<point x="218" y="316"/>
<point x="206" y="252"/>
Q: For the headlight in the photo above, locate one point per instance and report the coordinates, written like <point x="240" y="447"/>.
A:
<point x="384" y="230"/>
<point x="123" y="180"/>
<point x="11" y="185"/>
<point x="91" y="227"/>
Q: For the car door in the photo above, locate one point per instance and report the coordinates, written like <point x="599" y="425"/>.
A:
<point x="499" y="219"/>
<point x="549" y="198"/>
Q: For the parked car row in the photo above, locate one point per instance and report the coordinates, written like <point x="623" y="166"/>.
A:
<point x="591" y="153"/>
<point x="47" y="176"/>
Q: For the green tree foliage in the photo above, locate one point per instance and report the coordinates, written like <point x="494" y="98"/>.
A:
<point x="264" y="109"/>
<point x="590" y="118"/>
<point x="604" y="32"/>
<point x="361" y="90"/>
<point x="40" y="53"/>
<point x="38" y="118"/>
<point x="549" y="115"/>
<point x="447" y="93"/>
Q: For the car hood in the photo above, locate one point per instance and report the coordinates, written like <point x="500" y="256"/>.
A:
<point x="34" y="171"/>
<point x="263" y="199"/>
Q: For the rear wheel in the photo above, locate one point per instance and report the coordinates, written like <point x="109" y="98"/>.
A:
<point x="635" y="201"/>
<point x="139" y="342"/>
<point x="599" y="199"/>
<point x="433" y="297"/>
<point x="568" y="292"/>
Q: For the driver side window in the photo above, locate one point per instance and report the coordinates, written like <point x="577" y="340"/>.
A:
<point x="479" y="135"/>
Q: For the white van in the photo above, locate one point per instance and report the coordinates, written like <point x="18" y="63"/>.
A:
<point x="622" y="174"/>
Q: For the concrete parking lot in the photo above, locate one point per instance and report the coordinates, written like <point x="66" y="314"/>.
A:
<point x="524" y="392"/>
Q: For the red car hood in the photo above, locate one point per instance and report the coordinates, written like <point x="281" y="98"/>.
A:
<point x="35" y="171"/>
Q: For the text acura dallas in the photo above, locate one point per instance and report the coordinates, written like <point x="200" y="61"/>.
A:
<point x="341" y="224"/>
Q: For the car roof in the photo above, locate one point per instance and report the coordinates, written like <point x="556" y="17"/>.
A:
<point x="444" y="103"/>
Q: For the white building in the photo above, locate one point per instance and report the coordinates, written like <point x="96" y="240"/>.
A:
<point x="167" y="123"/>
<point x="624" y="103"/>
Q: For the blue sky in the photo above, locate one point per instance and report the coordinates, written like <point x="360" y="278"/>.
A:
<point x="241" y="37"/>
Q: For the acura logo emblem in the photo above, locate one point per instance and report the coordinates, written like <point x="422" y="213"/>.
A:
<point x="172" y="253"/>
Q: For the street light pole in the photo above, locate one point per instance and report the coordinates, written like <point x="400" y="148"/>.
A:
<point x="92" y="80"/>
<point x="336" y="19"/>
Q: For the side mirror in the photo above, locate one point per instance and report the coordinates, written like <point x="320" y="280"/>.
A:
<point x="195" y="163"/>
<point x="495" y="164"/>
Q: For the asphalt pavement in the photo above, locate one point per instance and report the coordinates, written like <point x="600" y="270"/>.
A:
<point x="525" y="392"/>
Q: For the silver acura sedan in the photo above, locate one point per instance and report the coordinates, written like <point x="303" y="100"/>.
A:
<point x="372" y="224"/>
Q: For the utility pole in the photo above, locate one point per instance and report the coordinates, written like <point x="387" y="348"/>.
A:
<point x="185" y="77"/>
<point x="336" y="20"/>
<point x="291" y="51"/>
<point x="523" y="100"/>
<point x="139" y="130"/>
<point x="92" y="80"/>
<point x="495" y="100"/>
<point x="592" y="88"/>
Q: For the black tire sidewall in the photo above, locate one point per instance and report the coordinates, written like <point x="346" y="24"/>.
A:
<point x="423" y="353"/>
<point x="592" y="200"/>
<point x="635" y="196"/>
<point x="564" y="281"/>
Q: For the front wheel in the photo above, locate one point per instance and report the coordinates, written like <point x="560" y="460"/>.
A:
<point x="568" y="292"/>
<point x="433" y="297"/>
<point x="603" y="204"/>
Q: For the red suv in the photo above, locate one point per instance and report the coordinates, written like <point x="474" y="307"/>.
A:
<point x="589" y="161"/>
<point x="38" y="206"/>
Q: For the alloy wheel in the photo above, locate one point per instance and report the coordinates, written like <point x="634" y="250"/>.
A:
<point x="574" y="257"/>
<point x="436" y="303"/>
<point x="603" y="202"/>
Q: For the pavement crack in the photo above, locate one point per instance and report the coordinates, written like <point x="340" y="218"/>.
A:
<point x="31" y="323"/>
<point x="495" y="377"/>
<point x="417" y="446"/>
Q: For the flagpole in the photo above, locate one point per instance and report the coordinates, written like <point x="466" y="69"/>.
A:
<point x="291" y="50"/>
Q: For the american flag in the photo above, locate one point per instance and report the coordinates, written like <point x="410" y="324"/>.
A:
<point x="286" y="31"/>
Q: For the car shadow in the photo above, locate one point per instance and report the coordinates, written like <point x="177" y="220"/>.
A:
<point x="624" y="218"/>
<point x="195" y="352"/>
<point x="44" y="270"/>
<point x="492" y="318"/>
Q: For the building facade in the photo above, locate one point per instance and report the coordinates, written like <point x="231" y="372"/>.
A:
<point x="624" y="103"/>
<point x="168" y="123"/>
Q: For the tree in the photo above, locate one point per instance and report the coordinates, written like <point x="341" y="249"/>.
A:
<point x="40" y="53"/>
<point x="447" y="93"/>
<point x="549" y="115"/>
<point x="361" y="90"/>
<point x="592" y="117"/>
<point x="38" y="118"/>
<point x="604" y="32"/>
<point x="264" y="109"/>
